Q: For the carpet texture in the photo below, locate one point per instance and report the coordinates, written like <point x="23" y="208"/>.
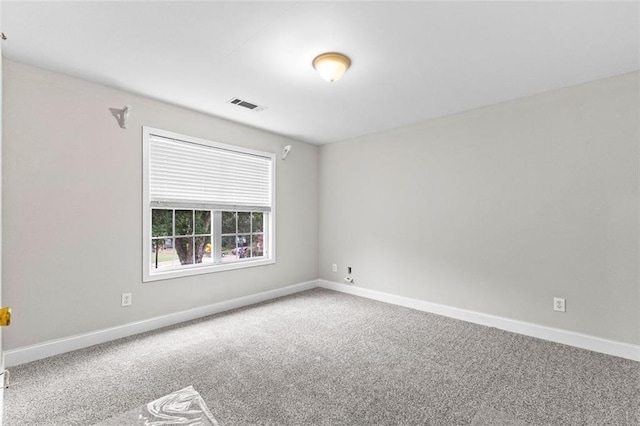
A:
<point x="327" y="358"/>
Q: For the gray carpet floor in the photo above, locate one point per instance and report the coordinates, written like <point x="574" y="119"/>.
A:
<point x="327" y="358"/>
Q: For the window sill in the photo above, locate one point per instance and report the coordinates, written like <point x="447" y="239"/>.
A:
<point x="200" y="270"/>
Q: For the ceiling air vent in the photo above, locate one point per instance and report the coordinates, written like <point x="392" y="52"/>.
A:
<point x="245" y="104"/>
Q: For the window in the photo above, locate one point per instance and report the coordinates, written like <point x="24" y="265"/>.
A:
<point x="207" y="206"/>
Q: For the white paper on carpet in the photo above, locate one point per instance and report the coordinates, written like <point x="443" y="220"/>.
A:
<point x="184" y="407"/>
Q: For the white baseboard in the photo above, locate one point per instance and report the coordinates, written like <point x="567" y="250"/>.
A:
<point x="584" y="341"/>
<point x="54" y="347"/>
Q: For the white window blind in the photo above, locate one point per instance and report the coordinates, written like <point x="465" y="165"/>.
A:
<point x="197" y="175"/>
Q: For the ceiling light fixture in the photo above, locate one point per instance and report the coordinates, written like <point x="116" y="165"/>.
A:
<point x="331" y="66"/>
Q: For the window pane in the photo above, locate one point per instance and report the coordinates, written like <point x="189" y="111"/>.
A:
<point x="203" y="250"/>
<point x="242" y="250"/>
<point x="161" y="222"/>
<point x="229" y="222"/>
<point x="244" y="222"/>
<point x="228" y="248"/>
<point x="184" y="249"/>
<point x="184" y="222"/>
<point x="257" y="245"/>
<point x="258" y="219"/>
<point x="203" y="221"/>
<point x="243" y="240"/>
<point x="162" y="254"/>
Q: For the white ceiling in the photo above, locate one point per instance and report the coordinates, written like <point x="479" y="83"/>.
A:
<point x="410" y="60"/>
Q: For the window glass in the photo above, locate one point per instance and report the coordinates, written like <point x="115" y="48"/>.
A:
<point x="162" y="254"/>
<point x="161" y="222"/>
<point x="174" y="242"/>
<point x="203" y="222"/>
<point x="184" y="222"/>
<point x="203" y="250"/>
<point x="244" y="222"/>
<point x="257" y="244"/>
<point x="228" y="248"/>
<point x="256" y="222"/>
<point x="228" y="222"/>
<point x="184" y="248"/>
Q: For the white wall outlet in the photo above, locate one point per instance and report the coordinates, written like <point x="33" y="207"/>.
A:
<point x="334" y="267"/>
<point x="126" y="299"/>
<point x="558" y="304"/>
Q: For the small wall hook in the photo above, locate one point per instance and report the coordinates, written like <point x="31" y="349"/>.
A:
<point x="126" y="111"/>
<point x="285" y="151"/>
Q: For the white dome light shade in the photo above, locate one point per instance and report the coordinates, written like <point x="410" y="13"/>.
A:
<point x="331" y="66"/>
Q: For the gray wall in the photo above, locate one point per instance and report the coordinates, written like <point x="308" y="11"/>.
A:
<point x="72" y="212"/>
<point x="498" y="210"/>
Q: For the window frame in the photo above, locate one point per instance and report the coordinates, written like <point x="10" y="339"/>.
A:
<point x="269" y="219"/>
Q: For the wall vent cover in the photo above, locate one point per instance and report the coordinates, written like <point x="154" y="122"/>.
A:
<point x="245" y="104"/>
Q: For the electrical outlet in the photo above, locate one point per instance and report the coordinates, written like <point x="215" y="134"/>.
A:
<point x="126" y="299"/>
<point x="558" y="304"/>
<point x="334" y="267"/>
